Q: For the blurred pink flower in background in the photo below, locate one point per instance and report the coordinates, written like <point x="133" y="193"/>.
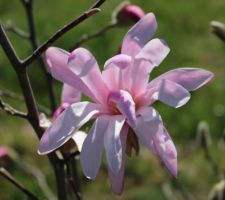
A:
<point x="122" y="101"/>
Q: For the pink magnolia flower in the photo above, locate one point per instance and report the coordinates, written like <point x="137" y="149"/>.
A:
<point x="122" y="99"/>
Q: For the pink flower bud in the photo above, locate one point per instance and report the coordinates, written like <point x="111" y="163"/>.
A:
<point x="4" y="153"/>
<point x="129" y="14"/>
<point x="59" y="110"/>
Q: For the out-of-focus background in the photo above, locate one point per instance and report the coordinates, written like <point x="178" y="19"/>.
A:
<point x="185" y="26"/>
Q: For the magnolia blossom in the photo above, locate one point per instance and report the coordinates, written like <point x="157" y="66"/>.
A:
<point x="122" y="99"/>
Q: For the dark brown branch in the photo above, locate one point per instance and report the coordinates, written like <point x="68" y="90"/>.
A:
<point x="58" y="34"/>
<point x="12" y="111"/>
<point x="28" y="5"/>
<point x="10" y="178"/>
<point x="86" y="37"/>
<point x="97" y="4"/>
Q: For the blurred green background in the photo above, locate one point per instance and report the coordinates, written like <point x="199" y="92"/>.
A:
<point x="185" y="26"/>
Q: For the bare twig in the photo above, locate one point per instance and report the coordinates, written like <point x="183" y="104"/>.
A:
<point x="72" y="177"/>
<point x="14" y="29"/>
<point x="13" y="95"/>
<point x="28" y="5"/>
<point x="85" y="38"/>
<point x="9" y="177"/>
<point x="97" y="4"/>
<point x="58" y="34"/>
<point x="12" y="111"/>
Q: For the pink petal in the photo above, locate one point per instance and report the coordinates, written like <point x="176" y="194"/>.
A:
<point x="79" y="138"/>
<point x="139" y="35"/>
<point x="125" y="105"/>
<point x="70" y="94"/>
<point x="66" y="124"/>
<point x="114" y="75"/>
<point x="166" y="150"/>
<point x="113" y="143"/>
<point x="57" y="61"/>
<point x="190" y="78"/>
<point x="84" y="65"/>
<point x="43" y="121"/>
<point x="121" y="61"/>
<point x="153" y="135"/>
<point x="171" y="93"/>
<point x="154" y="51"/>
<point x="148" y="124"/>
<point x="91" y="152"/>
<point x="117" y="180"/>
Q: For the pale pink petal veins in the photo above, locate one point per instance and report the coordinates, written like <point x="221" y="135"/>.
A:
<point x="150" y="56"/>
<point x="154" y="51"/>
<point x="166" y="150"/>
<point x="66" y="124"/>
<point x="112" y="142"/>
<point x="148" y="124"/>
<point x="190" y="78"/>
<point x="139" y="35"/>
<point x="91" y="152"/>
<point x="70" y="94"/>
<point x="84" y="65"/>
<point x="125" y="104"/>
<point x="113" y="73"/>
<point x="57" y="62"/>
<point x="117" y="180"/>
<point x="171" y="93"/>
<point x="153" y="135"/>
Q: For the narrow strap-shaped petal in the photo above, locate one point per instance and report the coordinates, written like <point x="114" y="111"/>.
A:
<point x="154" y="51"/>
<point x="152" y="133"/>
<point x="125" y="104"/>
<point x="166" y="150"/>
<point x="117" y="180"/>
<point x="190" y="78"/>
<point x="66" y="124"/>
<point x="83" y="64"/>
<point x="57" y="62"/>
<point x="112" y="143"/>
<point x="91" y="152"/>
<point x="113" y="73"/>
<point x="139" y="35"/>
<point x="79" y="138"/>
<point x="171" y="93"/>
<point x="147" y="127"/>
<point x="70" y="94"/>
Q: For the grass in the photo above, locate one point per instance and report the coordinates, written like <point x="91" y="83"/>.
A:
<point x="185" y="26"/>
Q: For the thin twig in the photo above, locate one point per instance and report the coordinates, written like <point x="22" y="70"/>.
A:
<point x="13" y="95"/>
<point x="16" y="30"/>
<point x="218" y="29"/>
<point x="12" y="111"/>
<point x="16" y="183"/>
<point x="85" y="38"/>
<point x="57" y="35"/>
<point x="28" y="5"/>
<point x="97" y="4"/>
<point x="72" y="176"/>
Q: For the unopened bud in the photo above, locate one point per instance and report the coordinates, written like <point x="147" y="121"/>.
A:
<point x="203" y="134"/>
<point x="218" y="191"/>
<point x="59" y="110"/>
<point x="127" y="14"/>
<point x="218" y="29"/>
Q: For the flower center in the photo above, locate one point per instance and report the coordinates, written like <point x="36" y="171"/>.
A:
<point x="121" y="102"/>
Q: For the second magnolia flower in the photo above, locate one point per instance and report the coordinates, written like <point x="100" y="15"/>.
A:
<point x="122" y="100"/>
